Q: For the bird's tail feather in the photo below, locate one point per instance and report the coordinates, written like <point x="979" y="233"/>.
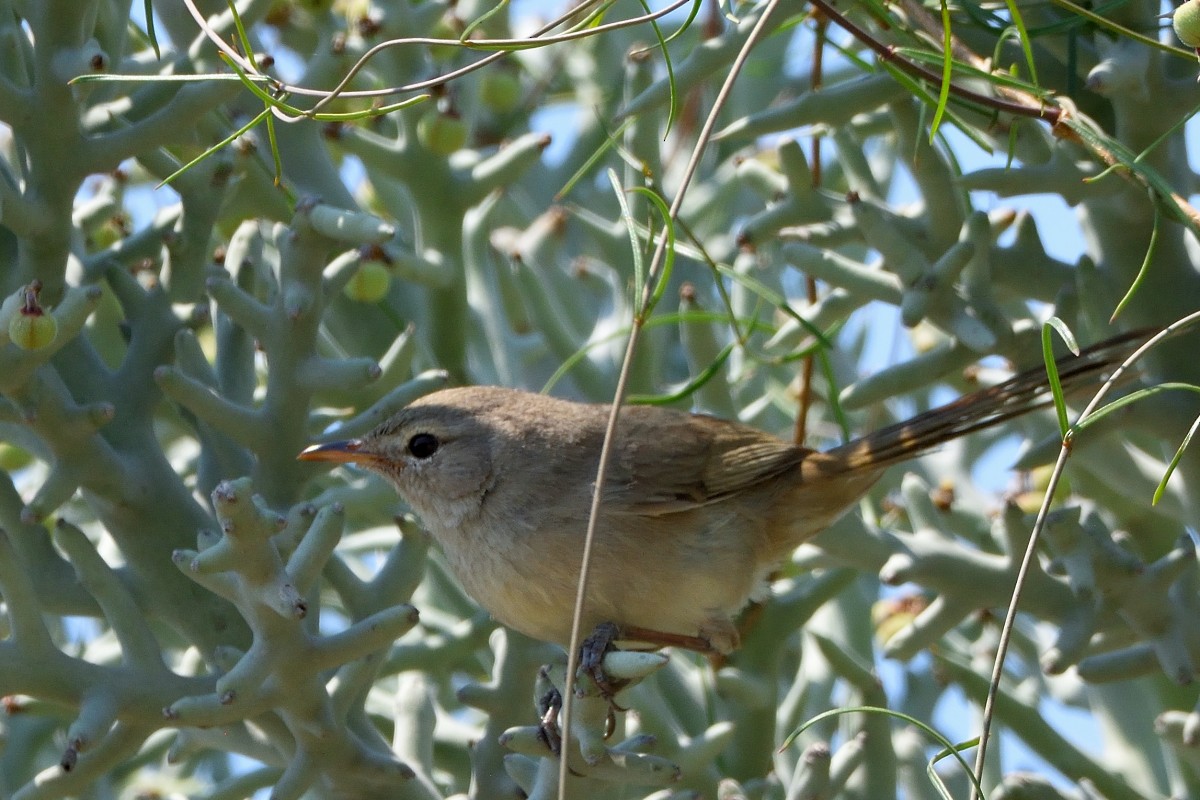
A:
<point x="1024" y="392"/>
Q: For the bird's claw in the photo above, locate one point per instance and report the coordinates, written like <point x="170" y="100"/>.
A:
<point x="549" y="707"/>
<point x="591" y="660"/>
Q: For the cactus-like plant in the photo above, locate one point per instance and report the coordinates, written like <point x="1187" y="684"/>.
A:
<point x="400" y="195"/>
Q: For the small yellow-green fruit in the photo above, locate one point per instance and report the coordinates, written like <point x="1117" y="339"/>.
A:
<point x="441" y="133"/>
<point x="369" y="283"/>
<point x="102" y="238"/>
<point x="1030" y="500"/>
<point x="108" y="233"/>
<point x="32" y="331"/>
<point x="894" y="615"/>
<point x="890" y="626"/>
<point x="13" y="458"/>
<point x="500" y="91"/>
<point x="1186" y="21"/>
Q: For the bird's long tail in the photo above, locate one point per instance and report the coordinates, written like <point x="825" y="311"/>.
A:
<point x="1024" y="392"/>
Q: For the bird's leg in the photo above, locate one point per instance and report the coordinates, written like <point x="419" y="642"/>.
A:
<point x="594" y="683"/>
<point x="549" y="705"/>
<point x="698" y="644"/>
<point x="591" y="657"/>
<point x="549" y="710"/>
<point x="600" y="642"/>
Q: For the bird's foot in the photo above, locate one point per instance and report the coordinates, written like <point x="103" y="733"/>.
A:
<point x="549" y="706"/>
<point x="591" y="658"/>
<point x="602" y="641"/>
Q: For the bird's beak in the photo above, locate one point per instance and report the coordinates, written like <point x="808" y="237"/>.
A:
<point x="346" y="452"/>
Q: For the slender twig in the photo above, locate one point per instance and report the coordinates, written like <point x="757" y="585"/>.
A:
<point x="1059" y="114"/>
<point x="1021" y="104"/>
<point x="538" y="38"/>
<point x="655" y="267"/>
<point x="1035" y="536"/>
<point x="800" y="432"/>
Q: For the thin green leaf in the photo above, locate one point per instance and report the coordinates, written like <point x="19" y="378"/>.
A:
<point x="258" y="91"/>
<point x="247" y="49"/>
<point x="1106" y="23"/>
<point x="918" y="90"/>
<point x="482" y="18"/>
<point x="687" y="23"/>
<point x="610" y="142"/>
<point x="835" y="402"/>
<point x="639" y="263"/>
<point x="148" y="12"/>
<point x="1072" y="25"/>
<point x="854" y="58"/>
<point x="673" y="106"/>
<point x="1065" y="332"/>
<point x="812" y="350"/>
<point x="203" y="77"/>
<point x="688" y="388"/>
<point x="947" y="746"/>
<point x="947" y="72"/>
<point x="824" y="344"/>
<point x="274" y="143"/>
<point x="993" y="23"/>
<point x="366" y="113"/>
<point x="669" y="260"/>
<point x="1060" y="403"/>
<point x="936" y="779"/>
<point x="1141" y="157"/>
<point x="703" y="256"/>
<point x="1132" y="397"/>
<point x="1098" y="141"/>
<point x="243" y="39"/>
<point x="672" y="318"/>
<point x="777" y="300"/>
<point x="1169" y="132"/>
<point x="264" y="113"/>
<point x="966" y="70"/>
<point x="1026" y="44"/>
<point x="597" y="18"/>
<point x="1162" y="484"/>
<point x="594" y="20"/>
<point x="323" y="116"/>
<point x="1145" y="268"/>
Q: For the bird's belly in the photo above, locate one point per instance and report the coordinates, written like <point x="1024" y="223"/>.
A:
<point x="652" y="579"/>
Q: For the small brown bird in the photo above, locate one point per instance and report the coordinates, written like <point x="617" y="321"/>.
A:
<point x="696" y="511"/>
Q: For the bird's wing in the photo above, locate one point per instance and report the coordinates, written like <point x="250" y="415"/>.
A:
<point x="690" y="461"/>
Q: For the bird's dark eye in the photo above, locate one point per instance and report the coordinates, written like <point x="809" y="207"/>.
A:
<point x="423" y="445"/>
